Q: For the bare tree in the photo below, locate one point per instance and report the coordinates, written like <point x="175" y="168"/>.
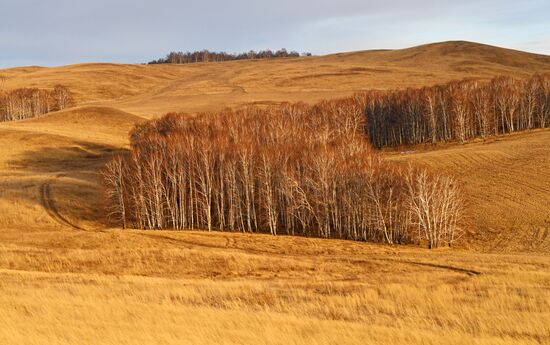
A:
<point x="63" y="97"/>
<point x="114" y="180"/>
<point x="436" y="207"/>
<point x="3" y="80"/>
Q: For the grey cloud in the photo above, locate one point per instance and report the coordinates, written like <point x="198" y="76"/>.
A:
<point x="61" y="31"/>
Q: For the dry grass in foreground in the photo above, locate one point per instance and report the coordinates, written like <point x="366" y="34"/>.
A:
<point x="215" y="288"/>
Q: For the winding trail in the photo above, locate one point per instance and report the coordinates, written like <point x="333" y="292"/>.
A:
<point x="49" y="205"/>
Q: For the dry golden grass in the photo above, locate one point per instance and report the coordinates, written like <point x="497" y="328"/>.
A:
<point x="507" y="185"/>
<point x="123" y="287"/>
<point x="59" y="153"/>
<point x="66" y="278"/>
<point x="148" y="90"/>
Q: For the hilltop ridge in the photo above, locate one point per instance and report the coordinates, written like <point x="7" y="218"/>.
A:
<point x="152" y="90"/>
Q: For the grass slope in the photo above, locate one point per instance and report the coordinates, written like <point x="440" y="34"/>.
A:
<point x="149" y="90"/>
<point x="507" y="187"/>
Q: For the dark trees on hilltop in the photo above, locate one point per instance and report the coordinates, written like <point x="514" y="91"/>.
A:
<point x="208" y="56"/>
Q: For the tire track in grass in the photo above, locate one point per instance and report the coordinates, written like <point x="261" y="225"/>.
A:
<point x="49" y="205"/>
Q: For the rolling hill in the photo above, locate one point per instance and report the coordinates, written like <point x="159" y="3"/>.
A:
<point x="149" y="90"/>
<point x="65" y="275"/>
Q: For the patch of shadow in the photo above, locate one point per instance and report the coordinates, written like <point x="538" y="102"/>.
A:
<point x="65" y="180"/>
<point x="466" y="271"/>
<point x="368" y="70"/>
<point x="76" y="156"/>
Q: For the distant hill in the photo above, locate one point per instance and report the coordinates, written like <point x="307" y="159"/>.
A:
<point x="156" y="89"/>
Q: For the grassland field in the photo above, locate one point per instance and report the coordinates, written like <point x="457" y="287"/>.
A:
<point x="67" y="277"/>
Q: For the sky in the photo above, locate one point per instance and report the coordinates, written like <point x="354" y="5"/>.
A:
<point x="59" y="32"/>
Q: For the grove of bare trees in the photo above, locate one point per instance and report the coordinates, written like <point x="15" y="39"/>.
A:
<point x="291" y="169"/>
<point x="458" y="111"/>
<point x="25" y="103"/>
<point x="208" y="56"/>
<point x="310" y="170"/>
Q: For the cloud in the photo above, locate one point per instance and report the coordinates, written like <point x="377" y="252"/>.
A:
<point x="61" y="31"/>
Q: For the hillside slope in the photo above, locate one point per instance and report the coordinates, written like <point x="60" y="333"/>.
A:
<point x="507" y="188"/>
<point x="149" y="90"/>
<point x="50" y="167"/>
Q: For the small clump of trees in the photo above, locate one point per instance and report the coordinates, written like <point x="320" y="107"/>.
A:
<point x="458" y="111"/>
<point x="208" y="56"/>
<point x="24" y="103"/>
<point x="292" y="169"/>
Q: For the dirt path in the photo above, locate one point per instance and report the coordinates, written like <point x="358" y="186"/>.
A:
<point x="49" y="205"/>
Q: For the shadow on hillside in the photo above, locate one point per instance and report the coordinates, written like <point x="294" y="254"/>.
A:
<point x="64" y="180"/>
